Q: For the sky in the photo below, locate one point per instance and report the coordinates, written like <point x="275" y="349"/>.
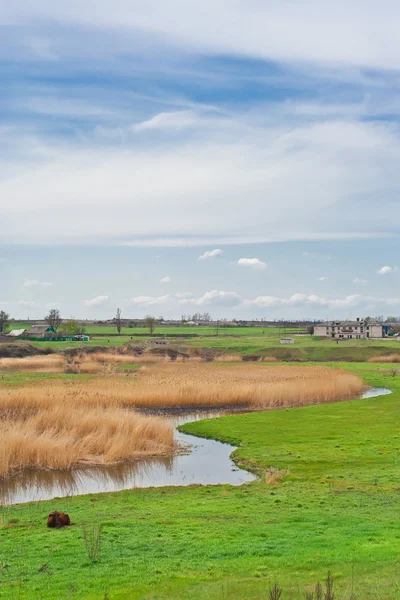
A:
<point x="169" y="157"/>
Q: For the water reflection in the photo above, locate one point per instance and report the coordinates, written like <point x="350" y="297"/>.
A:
<point x="200" y="462"/>
<point x="205" y="462"/>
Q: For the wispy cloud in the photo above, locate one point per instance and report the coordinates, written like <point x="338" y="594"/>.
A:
<point x="26" y="303"/>
<point x="168" y="121"/>
<point x="150" y="300"/>
<point x="252" y="263"/>
<point x="97" y="301"/>
<point x="35" y="282"/>
<point x="166" y="279"/>
<point x="385" y="270"/>
<point x="209" y="254"/>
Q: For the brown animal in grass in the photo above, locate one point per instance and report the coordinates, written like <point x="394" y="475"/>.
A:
<point x="58" y="519"/>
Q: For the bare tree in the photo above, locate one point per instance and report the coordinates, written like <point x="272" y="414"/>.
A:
<point x="4" y="318"/>
<point x="118" y="320"/>
<point x="53" y="319"/>
<point x="150" y="323"/>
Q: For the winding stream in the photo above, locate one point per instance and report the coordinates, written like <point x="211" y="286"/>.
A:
<point x="206" y="462"/>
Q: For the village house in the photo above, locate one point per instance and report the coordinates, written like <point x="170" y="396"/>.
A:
<point x="40" y="332"/>
<point x="345" y="330"/>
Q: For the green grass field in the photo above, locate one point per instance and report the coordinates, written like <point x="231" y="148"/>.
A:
<point x="242" y="340"/>
<point x="336" y="508"/>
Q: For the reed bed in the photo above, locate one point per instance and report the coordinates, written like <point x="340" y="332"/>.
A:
<point x="391" y="358"/>
<point x="59" y="426"/>
<point x="125" y="359"/>
<point x="190" y="385"/>
<point x="63" y="423"/>
<point x="50" y="361"/>
<point x="248" y="385"/>
<point x="228" y="358"/>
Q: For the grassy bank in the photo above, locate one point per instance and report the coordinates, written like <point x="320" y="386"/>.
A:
<point x="244" y="342"/>
<point x="331" y="502"/>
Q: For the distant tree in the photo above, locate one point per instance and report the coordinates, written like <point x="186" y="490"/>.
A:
<point x="118" y="320"/>
<point x="72" y="327"/>
<point x="310" y="329"/>
<point x="379" y="319"/>
<point x="391" y="320"/>
<point x="4" y="318"/>
<point x="53" y="319"/>
<point x="206" y="316"/>
<point x="150" y="323"/>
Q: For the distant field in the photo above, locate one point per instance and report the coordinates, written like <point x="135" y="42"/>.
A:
<point x="244" y="341"/>
<point x="184" y="330"/>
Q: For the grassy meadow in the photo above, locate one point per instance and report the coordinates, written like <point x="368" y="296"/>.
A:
<point x="327" y="498"/>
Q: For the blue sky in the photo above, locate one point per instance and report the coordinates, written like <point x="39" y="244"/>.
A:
<point x="138" y="136"/>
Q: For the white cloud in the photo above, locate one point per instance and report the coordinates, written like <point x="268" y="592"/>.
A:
<point x="168" y="120"/>
<point x="384" y="270"/>
<point x="35" y="282"/>
<point x="26" y="303"/>
<point x="360" y="281"/>
<point x="323" y="278"/>
<point x="253" y="263"/>
<point x="173" y="188"/>
<point x="97" y="301"/>
<point x="52" y="305"/>
<point x="209" y="254"/>
<point x="304" y="300"/>
<point x="358" y="34"/>
<point x="165" y="279"/>
<point x="215" y="297"/>
<point x="150" y="300"/>
<point x="183" y="295"/>
<point x="31" y="282"/>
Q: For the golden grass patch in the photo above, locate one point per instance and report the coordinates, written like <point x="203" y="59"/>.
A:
<point x="391" y="358"/>
<point x="62" y="423"/>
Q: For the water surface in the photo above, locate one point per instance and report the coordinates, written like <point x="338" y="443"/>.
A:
<point x="203" y="461"/>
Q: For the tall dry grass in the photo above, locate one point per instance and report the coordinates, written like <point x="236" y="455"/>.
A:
<point x="58" y="426"/>
<point x="189" y="385"/>
<point x="62" y="423"/>
<point x="34" y="362"/>
<point x="228" y="358"/>
<point x="391" y="358"/>
<point x="124" y="359"/>
<point x="251" y="385"/>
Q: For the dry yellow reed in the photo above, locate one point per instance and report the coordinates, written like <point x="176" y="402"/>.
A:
<point x="391" y="358"/>
<point x="34" y="362"/>
<point x="60" y="438"/>
<point x="63" y="422"/>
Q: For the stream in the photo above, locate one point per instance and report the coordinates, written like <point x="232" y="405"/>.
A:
<point x="203" y="461"/>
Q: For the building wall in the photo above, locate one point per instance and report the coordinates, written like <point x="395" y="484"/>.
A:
<point x="375" y="331"/>
<point x="344" y="332"/>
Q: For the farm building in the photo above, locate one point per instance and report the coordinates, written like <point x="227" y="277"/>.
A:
<point x="40" y="332"/>
<point x="358" y="329"/>
<point x="16" y="333"/>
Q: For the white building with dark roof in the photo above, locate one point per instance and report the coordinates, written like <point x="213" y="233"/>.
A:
<point x="345" y="330"/>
